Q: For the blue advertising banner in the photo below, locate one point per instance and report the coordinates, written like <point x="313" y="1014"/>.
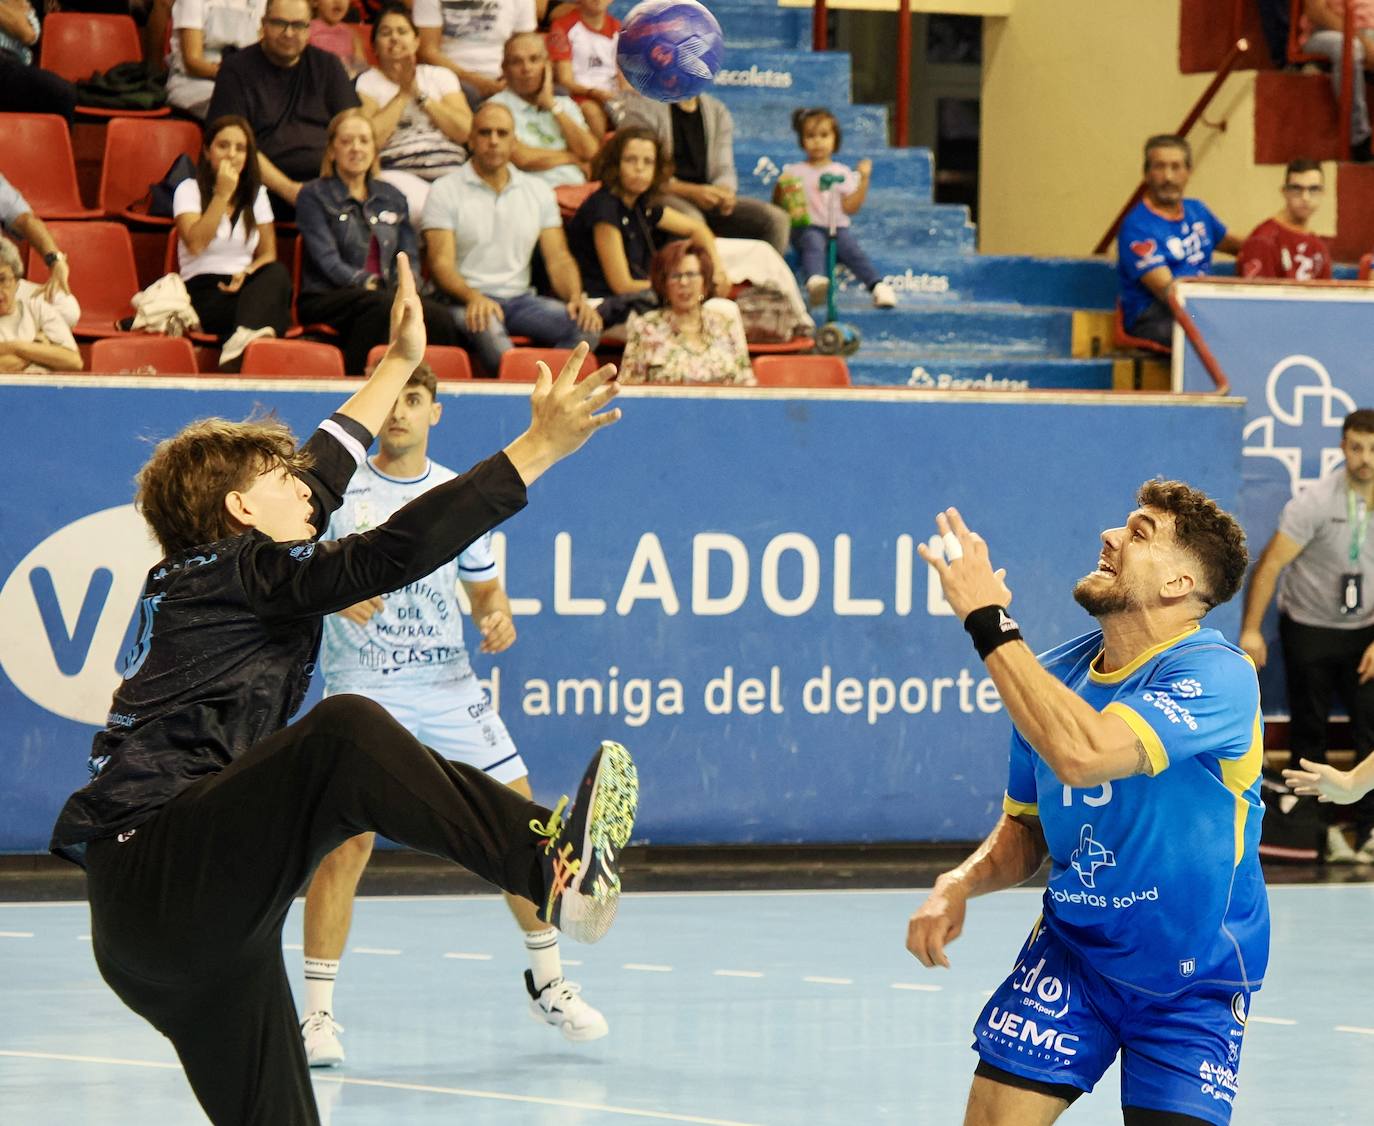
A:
<point x="727" y="582"/>
<point x="1298" y="356"/>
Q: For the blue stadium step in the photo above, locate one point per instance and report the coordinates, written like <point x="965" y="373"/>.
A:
<point x="909" y="171"/>
<point x="936" y="372"/>
<point x="752" y="24"/>
<point x="766" y="122"/>
<point x="941" y="229"/>
<point x="962" y="330"/>
<point x="799" y="78"/>
<point x="922" y="279"/>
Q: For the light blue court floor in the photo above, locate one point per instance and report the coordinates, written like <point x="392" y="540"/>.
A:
<point x="724" y="1009"/>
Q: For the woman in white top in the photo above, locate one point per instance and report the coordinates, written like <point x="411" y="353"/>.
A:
<point x="33" y="336"/>
<point x="227" y="246"/>
<point x="201" y="32"/>
<point x="418" y="112"/>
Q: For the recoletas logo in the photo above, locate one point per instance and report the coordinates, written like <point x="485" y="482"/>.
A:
<point x="68" y="612"/>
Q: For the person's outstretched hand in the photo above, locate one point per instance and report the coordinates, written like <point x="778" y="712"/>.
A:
<point x="563" y="414"/>
<point x="408" y="338"/>
<point x="1325" y="783"/>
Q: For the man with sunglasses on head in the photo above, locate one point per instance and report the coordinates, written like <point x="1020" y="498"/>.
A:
<point x="289" y="91"/>
<point x="1285" y="246"/>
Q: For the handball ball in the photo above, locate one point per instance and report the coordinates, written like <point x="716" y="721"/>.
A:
<point x="670" y="49"/>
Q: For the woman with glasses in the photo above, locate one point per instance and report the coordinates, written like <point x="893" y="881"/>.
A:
<point x="686" y="340"/>
<point x="202" y="30"/>
<point x="33" y="335"/>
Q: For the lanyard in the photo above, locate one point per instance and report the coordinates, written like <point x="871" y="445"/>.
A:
<point x="1357" y="525"/>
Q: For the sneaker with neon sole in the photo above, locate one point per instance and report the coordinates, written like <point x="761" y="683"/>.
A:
<point x="581" y="850"/>
<point x="559" y="1003"/>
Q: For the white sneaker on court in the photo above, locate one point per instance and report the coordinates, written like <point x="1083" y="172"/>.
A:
<point x="817" y="289"/>
<point x="884" y="297"/>
<point x="560" y="1005"/>
<point x="1338" y="850"/>
<point x="320" y="1031"/>
<point x="1365" y="855"/>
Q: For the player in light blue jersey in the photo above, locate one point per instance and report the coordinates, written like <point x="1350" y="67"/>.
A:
<point x="405" y="651"/>
<point x="1135" y="763"/>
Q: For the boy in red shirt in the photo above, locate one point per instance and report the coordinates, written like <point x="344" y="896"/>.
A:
<point x="582" y="45"/>
<point x="1284" y="247"/>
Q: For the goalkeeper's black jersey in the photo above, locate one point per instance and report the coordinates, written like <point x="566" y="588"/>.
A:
<point x="229" y="633"/>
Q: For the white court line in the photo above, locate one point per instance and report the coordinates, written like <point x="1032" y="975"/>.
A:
<point x="424" y="1088"/>
<point x="376" y="950"/>
<point x="292" y="946"/>
<point x="83" y="938"/>
<point x="1270" y="1020"/>
<point x="647" y="967"/>
<point x="571" y="962"/>
<point x="829" y="980"/>
<point x="737" y="973"/>
<point x="465" y="957"/>
<point x="1354" y="1028"/>
<point x="915" y="987"/>
<point x="16" y="934"/>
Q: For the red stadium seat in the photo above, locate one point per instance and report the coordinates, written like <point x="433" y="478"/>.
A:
<point x="77" y="44"/>
<point x="801" y="371"/>
<point x="297" y="252"/>
<point x="165" y="355"/>
<point x="1124" y="340"/>
<point x="292" y="359"/>
<point x="101" y="260"/>
<point x="36" y="157"/>
<point x="572" y="196"/>
<point x="137" y="155"/>
<point x="520" y="365"/>
<point x="447" y="363"/>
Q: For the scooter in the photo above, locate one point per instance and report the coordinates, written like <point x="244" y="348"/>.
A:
<point x="834" y="337"/>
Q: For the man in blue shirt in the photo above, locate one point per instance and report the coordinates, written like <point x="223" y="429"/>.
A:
<point x="1135" y="763"/>
<point x="1164" y="237"/>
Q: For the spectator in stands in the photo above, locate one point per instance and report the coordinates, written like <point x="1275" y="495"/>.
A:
<point x="17" y="217"/>
<point x="227" y="245"/>
<point x="613" y="234"/>
<point x="353" y="225"/>
<point x="686" y="340"/>
<point x="582" y="44"/>
<point x="1284" y="246"/>
<point x="1164" y="237"/>
<point x="1324" y="24"/>
<point x="489" y="278"/>
<point x="25" y="88"/>
<point x="329" y="33"/>
<point x="418" y="111"/>
<point x="468" y="37"/>
<point x="33" y="335"/>
<point x="552" y="140"/>
<point x="813" y="209"/>
<point x="697" y="135"/>
<point x="203" y="31"/>
<point x="289" y="92"/>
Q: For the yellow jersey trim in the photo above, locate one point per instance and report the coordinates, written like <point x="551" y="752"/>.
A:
<point x="1239" y="774"/>
<point x="1122" y="673"/>
<point x="1154" y="749"/>
<point x="1019" y="808"/>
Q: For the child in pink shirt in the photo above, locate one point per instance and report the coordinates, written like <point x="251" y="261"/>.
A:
<point x="329" y="33"/>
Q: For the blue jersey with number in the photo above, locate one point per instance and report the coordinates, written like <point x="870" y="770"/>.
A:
<point x="1149" y="239"/>
<point x="418" y="637"/>
<point x="1156" y="881"/>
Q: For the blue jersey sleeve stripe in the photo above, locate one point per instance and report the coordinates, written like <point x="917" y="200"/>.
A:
<point x="1014" y="808"/>
<point x="1154" y="749"/>
<point x="1239" y="774"/>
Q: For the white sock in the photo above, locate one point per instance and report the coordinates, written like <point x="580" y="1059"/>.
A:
<point x="545" y="964"/>
<point x="319" y="985"/>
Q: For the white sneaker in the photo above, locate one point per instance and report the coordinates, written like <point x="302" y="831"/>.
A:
<point x="320" y="1031"/>
<point x="558" y="1004"/>
<point x="884" y="297"/>
<point x="1366" y="853"/>
<point x="232" y="350"/>
<point x="817" y="289"/>
<point x="1338" y="850"/>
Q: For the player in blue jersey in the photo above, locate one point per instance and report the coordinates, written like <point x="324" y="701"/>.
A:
<point x="1165" y="237"/>
<point x="1135" y="763"/>
<point x="405" y="650"/>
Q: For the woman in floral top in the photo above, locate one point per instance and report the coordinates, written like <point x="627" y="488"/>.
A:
<point x="686" y="340"/>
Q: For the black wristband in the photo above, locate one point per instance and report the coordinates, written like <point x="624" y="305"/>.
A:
<point x="990" y="626"/>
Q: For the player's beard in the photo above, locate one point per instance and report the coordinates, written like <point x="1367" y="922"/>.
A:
<point x="1100" y="599"/>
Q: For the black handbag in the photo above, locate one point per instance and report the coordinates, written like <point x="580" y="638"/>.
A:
<point x="159" y="198"/>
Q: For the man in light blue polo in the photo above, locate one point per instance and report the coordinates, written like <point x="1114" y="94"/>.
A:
<point x="552" y="140"/>
<point x="481" y="226"/>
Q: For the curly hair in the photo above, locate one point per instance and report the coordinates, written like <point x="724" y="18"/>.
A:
<point x="606" y="163"/>
<point x="182" y="487"/>
<point x="1207" y="532"/>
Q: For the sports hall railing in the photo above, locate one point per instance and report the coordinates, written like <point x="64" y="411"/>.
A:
<point x="901" y="119"/>
<point x="1195" y="338"/>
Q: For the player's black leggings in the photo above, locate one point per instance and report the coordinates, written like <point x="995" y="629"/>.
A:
<point x="187" y="914"/>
